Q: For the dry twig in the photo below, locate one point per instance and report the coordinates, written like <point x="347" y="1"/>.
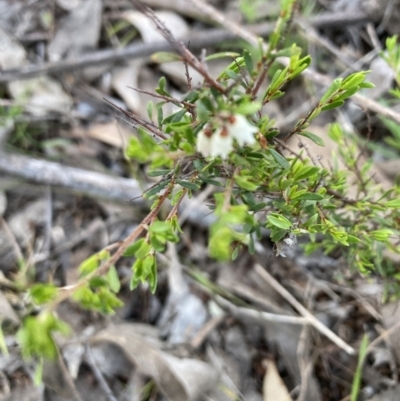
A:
<point x="302" y="310"/>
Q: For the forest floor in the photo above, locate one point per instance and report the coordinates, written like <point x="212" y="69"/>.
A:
<point x="245" y="330"/>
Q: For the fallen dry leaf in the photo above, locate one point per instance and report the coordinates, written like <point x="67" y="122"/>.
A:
<point x="148" y="31"/>
<point x="273" y="387"/>
<point x="179" y="379"/>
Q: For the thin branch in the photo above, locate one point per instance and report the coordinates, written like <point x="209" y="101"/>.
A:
<point x="186" y="54"/>
<point x="260" y="315"/>
<point x="138" y="120"/>
<point x="302" y="310"/>
<point x="99" y="375"/>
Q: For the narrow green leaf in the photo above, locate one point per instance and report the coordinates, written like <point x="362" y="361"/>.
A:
<point x="245" y="183"/>
<point x="280" y="159"/>
<point x="366" y="85"/>
<point x="355" y="388"/>
<point x="157" y="173"/>
<point x="315" y="138"/>
<point x="308" y="196"/>
<point x="335" y="85"/>
<point x="332" y="105"/>
<point x="395" y="203"/>
<point x="353" y="80"/>
<point x="189" y="185"/>
<point x="150" y="107"/>
<point x="248" y="61"/>
<point x="222" y="55"/>
<point x="155" y="190"/>
<point x="212" y="181"/>
<point x="279" y="221"/>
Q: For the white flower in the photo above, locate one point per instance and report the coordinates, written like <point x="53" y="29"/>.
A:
<point x="220" y="143"/>
<point x="241" y="130"/>
<point x="203" y="144"/>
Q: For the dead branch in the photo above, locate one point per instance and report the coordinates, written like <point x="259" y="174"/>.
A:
<point x="88" y="182"/>
<point x="197" y="40"/>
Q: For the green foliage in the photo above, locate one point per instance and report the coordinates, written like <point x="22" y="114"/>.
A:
<point x="43" y="293"/>
<point x="36" y="335"/>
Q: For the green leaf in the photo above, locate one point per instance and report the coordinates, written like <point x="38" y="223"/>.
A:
<point x="161" y="84"/>
<point x="155" y="190"/>
<point x="222" y="55"/>
<point x="97" y="282"/>
<point x="308" y="196"/>
<point x="36" y="335"/>
<point x="144" y="249"/>
<point x="394" y="203"/>
<point x="92" y="263"/>
<point x="248" y="61"/>
<point x="355" y="388"/>
<point x="132" y="249"/>
<point x="150" y="107"/>
<point x="153" y="276"/>
<point x="277" y="95"/>
<point x="280" y="159"/>
<point x="351" y="239"/>
<point x="189" y="185"/>
<point x="137" y="272"/>
<point x="175" y="117"/>
<point x="332" y="105"/>
<point x="164" y="57"/>
<point x="157" y="173"/>
<point x="113" y="279"/>
<point x="315" y="138"/>
<point x="43" y="293"/>
<point x="108" y="301"/>
<point x="245" y="183"/>
<point x="158" y="243"/>
<point x="220" y="244"/>
<point x="247" y="108"/>
<point x="381" y="235"/>
<point x="335" y="86"/>
<point x="257" y="207"/>
<point x="366" y="85"/>
<point x="160" y="227"/>
<point x="279" y="221"/>
<point x="353" y="80"/>
<point x="306" y="172"/>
